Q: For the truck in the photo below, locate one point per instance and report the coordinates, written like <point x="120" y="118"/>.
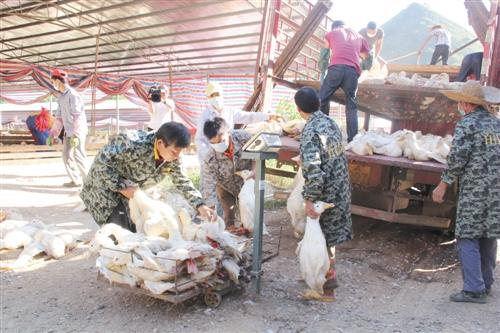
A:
<point x="397" y="189"/>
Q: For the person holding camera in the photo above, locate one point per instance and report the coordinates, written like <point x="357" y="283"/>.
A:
<point x="70" y="114"/>
<point x="160" y="107"/>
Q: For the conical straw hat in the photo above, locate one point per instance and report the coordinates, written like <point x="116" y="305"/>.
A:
<point x="473" y="92"/>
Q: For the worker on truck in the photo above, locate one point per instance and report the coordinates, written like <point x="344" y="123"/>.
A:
<point x="375" y="38"/>
<point x="474" y="161"/>
<point x="442" y="44"/>
<point x="346" y="47"/>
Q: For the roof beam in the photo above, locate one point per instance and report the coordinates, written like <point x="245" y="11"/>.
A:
<point x="65" y="17"/>
<point x="214" y="48"/>
<point x="90" y="18"/>
<point x="159" y="25"/>
<point x="163" y="45"/>
<point x="125" y="70"/>
<point x="180" y="72"/>
<point x="231" y="26"/>
<point x="118" y="20"/>
<point x="184" y="59"/>
<point x="35" y="5"/>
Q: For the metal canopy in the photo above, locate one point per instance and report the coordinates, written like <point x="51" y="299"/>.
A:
<point x="134" y="38"/>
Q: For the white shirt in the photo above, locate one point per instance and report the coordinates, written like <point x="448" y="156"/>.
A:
<point x="231" y="117"/>
<point x="161" y="114"/>
<point x="441" y="37"/>
<point x="71" y="110"/>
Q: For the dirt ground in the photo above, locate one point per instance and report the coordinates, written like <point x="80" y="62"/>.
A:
<point x="393" y="278"/>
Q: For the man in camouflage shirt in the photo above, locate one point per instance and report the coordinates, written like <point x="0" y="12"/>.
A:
<point x="324" y="167"/>
<point x="143" y="159"/>
<point x="474" y="160"/>
<point x="220" y="165"/>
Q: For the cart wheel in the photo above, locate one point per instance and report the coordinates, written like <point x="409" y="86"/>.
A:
<point x="212" y="299"/>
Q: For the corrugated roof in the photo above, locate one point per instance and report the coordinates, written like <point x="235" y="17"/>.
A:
<point x="133" y="37"/>
<point x="143" y="38"/>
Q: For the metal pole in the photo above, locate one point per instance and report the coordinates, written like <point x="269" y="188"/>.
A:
<point x="94" y="82"/>
<point x="256" y="271"/>
<point x="117" y="116"/>
<point x="171" y="86"/>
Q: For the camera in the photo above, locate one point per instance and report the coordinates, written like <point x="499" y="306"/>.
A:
<point x="155" y="94"/>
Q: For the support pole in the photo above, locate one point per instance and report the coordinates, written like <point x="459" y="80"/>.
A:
<point x="256" y="271"/>
<point x="258" y="218"/>
<point x="366" y="124"/>
<point x="171" y="86"/>
<point x="94" y="81"/>
<point x="117" y="116"/>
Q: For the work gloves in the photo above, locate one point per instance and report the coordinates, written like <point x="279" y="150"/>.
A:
<point x="73" y="141"/>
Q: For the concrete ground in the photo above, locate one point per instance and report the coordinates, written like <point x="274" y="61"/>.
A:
<point x="393" y="278"/>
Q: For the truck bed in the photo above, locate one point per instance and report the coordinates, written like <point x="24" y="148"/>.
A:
<point x="290" y="148"/>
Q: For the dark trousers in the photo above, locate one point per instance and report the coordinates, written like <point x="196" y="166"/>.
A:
<point x="229" y="205"/>
<point x="442" y="51"/>
<point x="477" y="261"/>
<point x="346" y="78"/>
<point x="121" y="216"/>
<point x="471" y="64"/>
<point x="367" y="63"/>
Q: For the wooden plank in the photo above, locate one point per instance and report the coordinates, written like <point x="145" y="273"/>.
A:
<point x="280" y="173"/>
<point x="34" y="155"/>
<point x="400" y="162"/>
<point x="17" y="148"/>
<point x="403" y="103"/>
<point x="424" y="69"/>
<point x="167" y="296"/>
<point x="421" y="220"/>
<point x="292" y="145"/>
<point x="294" y="46"/>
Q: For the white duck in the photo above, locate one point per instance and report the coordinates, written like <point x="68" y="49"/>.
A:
<point x="412" y="148"/>
<point x="313" y="254"/>
<point x="50" y="240"/>
<point x="158" y="218"/>
<point x="361" y="144"/>
<point x="295" y="205"/>
<point x="17" y="233"/>
<point x="246" y="199"/>
<point x="232" y="269"/>
<point x="394" y="148"/>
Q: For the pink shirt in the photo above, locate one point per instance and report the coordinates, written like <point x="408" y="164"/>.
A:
<point x="346" y="45"/>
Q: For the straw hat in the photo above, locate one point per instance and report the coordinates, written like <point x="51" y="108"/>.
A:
<point x="474" y="93"/>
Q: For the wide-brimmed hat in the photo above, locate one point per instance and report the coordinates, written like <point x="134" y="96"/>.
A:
<point x="473" y="92"/>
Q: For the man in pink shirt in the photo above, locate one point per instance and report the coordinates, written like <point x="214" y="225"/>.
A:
<point x="347" y="46"/>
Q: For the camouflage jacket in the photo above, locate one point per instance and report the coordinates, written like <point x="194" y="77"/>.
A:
<point x="474" y="161"/>
<point x="219" y="169"/>
<point x="325" y="171"/>
<point x="129" y="158"/>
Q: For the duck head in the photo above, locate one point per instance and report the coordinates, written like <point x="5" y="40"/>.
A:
<point x="320" y="206"/>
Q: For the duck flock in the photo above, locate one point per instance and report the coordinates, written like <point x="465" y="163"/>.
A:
<point x="402" y="143"/>
<point x="36" y="238"/>
<point x="440" y="81"/>
<point x="169" y="252"/>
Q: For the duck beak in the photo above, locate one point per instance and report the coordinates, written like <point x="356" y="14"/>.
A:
<point x="329" y="205"/>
